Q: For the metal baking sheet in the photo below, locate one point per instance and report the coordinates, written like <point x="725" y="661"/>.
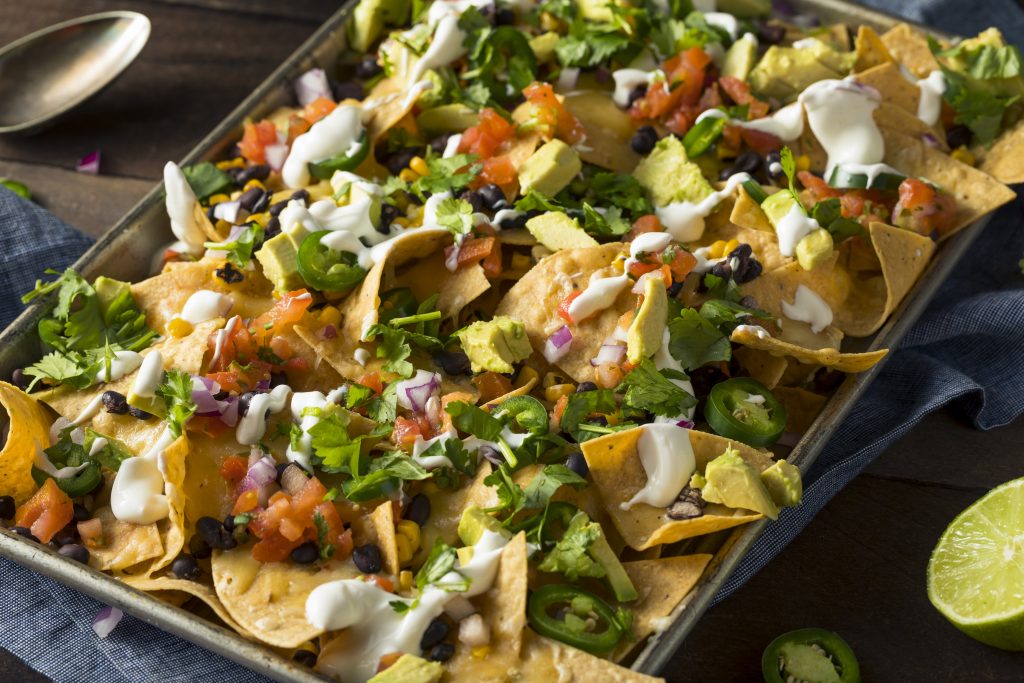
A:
<point x="125" y="253"/>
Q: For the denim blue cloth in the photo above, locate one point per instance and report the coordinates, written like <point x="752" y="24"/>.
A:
<point x="965" y="351"/>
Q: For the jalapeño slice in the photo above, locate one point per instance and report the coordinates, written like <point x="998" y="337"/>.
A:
<point x="528" y="413"/>
<point x="326" y="269"/>
<point x="563" y="612"/>
<point x="743" y="409"/>
<point x="810" y="654"/>
<point x="348" y="160"/>
<point x="700" y="138"/>
<point x="846" y="179"/>
<point x="755" y="191"/>
<point x="77" y="485"/>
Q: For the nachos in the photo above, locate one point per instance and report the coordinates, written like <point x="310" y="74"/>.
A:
<point x="449" y="364"/>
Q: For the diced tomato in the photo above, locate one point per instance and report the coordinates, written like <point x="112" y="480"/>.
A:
<point x="318" y="108"/>
<point x="228" y="381"/>
<point x="638" y="268"/>
<point x="289" y="521"/>
<point x="492" y="263"/>
<point x="296" y="364"/>
<point x="234" y="468"/>
<point x="405" y="432"/>
<point x="474" y="249"/>
<point x="683" y="85"/>
<point x="818" y="188"/>
<point x="500" y="171"/>
<point x="492" y="385"/>
<point x="297" y="125"/>
<point x="276" y="548"/>
<point x="552" y="115"/>
<point x="558" y="410"/>
<point x="308" y="498"/>
<point x="648" y="223"/>
<point x="91" y="533"/>
<point x="383" y="582"/>
<point x="288" y="310"/>
<point x="924" y="209"/>
<point x="48" y="511"/>
<point x="372" y="381"/>
<point x="486" y="137"/>
<point x="739" y="92"/>
<point x="682" y="264"/>
<point x="247" y="502"/>
<point x="759" y="141"/>
<point x="682" y="119"/>
<point x="866" y="206"/>
<point x="255" y="139"/>
<point x="388" y="660"/>
<point x="563" y="308"/>
<point x="732" y="139"/>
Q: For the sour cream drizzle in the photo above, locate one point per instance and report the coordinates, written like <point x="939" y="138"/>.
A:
<point x="181" y="205"/>
<point x="793" y="227"/>
<point x="150" y="375"/>
<point x="667" y="457"/>
<point x="138" y="494"/>
<point x="222" y="336"/>
<point x="338" y="132"/>
<point x="445" y="47"/>
<point x="253" y="425"/>
<point x="123" y="363"/>
<point x="306" y="407"/>
<point x="684" y="221"/>
<point x="932" y="87"/>
<point x="205" y="305"/>
<point x="809" y="308"/>
<point x="375" y="628"/>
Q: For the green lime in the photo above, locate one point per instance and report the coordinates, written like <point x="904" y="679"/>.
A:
<point x="976" y="572"/>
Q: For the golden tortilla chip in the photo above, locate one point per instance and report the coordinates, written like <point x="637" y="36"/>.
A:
<point x="462" y="288"/>
<point x="773" y="286"/>
<point x="762" y="239"/>
<point x="549" y="660"/>
<point x="871" y="51"/>
<point x="746" y="213"/>
<point x="338" y="354"/>
<point x="909" y="46"/>
<point x="28" y="429"/>
<point x="269" y="600"/>
<point x="447" y="505"/>
<point x="802" y="407"/>
<point x="167" y="586"/>
<point x="618" y="474"/>
<point x="535" y="298"/>
<point x="125" y="544"/>
<point x="762" y="366"/>
<point x="1004" y="161"/>
<point x="609" y="130"/>
<point x="382" y="523"/>
<point x="829" y="357"/>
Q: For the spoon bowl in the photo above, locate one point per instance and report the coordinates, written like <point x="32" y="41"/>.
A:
<point x="47" y="73"/>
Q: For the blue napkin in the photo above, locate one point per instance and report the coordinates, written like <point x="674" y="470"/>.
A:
<point x="964" y="352"/>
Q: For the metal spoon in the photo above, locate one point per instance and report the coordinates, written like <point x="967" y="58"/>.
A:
<point x="46" y="74"/>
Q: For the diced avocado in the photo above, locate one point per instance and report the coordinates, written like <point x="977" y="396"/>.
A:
<point x="967" y="52"/>
<point x="733" y="482"/>
<point x="745" y="9"/>
<point x="668" y="175"/>
<point x="154" y="405"/>
<point x="448" y="118"/>
<point x="474" y="522"/>
<point x="645" y="332"/>
<point x="784" y="72"/>
<point x="697" y="481"/>
<point x="777" y="206"/>
<point x="814" y="249"/>
<point x="108" y="290"/>
<point x="807" y="663"/>
<point x="784" y="484"/>
<point x="278" y="258"/>
<point x="556" y="230"/>
<point x="740" y="58"/>
<point x="494" y="345"/>
<point x="410" y="669"/>
<point x="615" y="574"/>
<point x="839" y="61"/>
<point x="369" y="18"/>
<point x="597" y="10"/>
<point x="550" y="168"/>
<point x="543" y="46"/>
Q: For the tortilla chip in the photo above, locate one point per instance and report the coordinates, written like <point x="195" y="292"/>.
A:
<point x="125" y="544"/>
<point x="909" y="46"/>
<point x="746" y="213"/>
<point x="338" y="354"/>
<point x="902" y="256"/>
<point x="28" y="428"/>
<point x="871" y="51"/>
<point x="382" y="527"/>
<point x="617" y="473"/>
<point x="535" y="298"/>
<point x="522" y="390"/>
<point x="549" y="660"/>
<point x="1004" y="161"/>
<point x="762" y="366"/>
<point x="447" y="505"/>
<point x="158" y="585"/>
<point x="269" y="600"/>
<point x="762" y="239"/>
<point x="462" y="288"/>
<point x="802" y="407"/>
<point x="829" y="357"/>
<point x="779" y="284"/>
<point x="609" y="130"/>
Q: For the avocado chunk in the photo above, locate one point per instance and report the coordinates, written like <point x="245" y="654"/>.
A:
<point x="745" y="9"/>
<point x="733" y="482"/>
<point x="278" y="256"/>
<point x="784" y="72"/>
<point x="109" y="290"/>
<point x="474" y="522"/>
<point x="740" y="58"/>
<point x="543" y="46"/>
<point x="814" y="249"/>
<point x="808" y="663"/>
<point x="646" y="331"/>
<point x="369" y="18"/>
<point x="556" y="230"/>
<point x="358" y="193"/>
<point x="448" y="118"/>
<point x="550" y="168"/>
<point x="597" y="10"/>
<point x="494" y="345"/>
<point x="784" y="484"/>
<point x="669" y="176"/>
<point x="778" y="206"/>
<point x="410" y="669"/>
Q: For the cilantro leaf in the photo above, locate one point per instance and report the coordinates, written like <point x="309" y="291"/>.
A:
<point x="239" y="250"/>
<point x="570" y="555"/>
<point x="647" y="388"/>
<point x="789" y="168"/>
<point x="470" y="419"/>
<point x="500" y="57"/>
<point x="725" y="315"/>
<point x="322" y="534"/>
<point x="393" y="344"/>
<point x="383" y="409"/>
<point x="545" y="483"/>
<point x="607" y="224"/>
<point x="620" y="190"/>
<point x="206" y="179"/>
<point x="176" y="391"/>
<point x="828" y="213"/>
<point x="722" y="288"/>
<point x="694" y="341"/>
<point x="456" y="452"/>
<point x="590" y="44"/>
<point x="582" y="404"/>
<point x="456" y="215"/>
<point x="510" y="494"/>
<point x="446" y="175"/>
<point x="333" y="448"/>
<point x="535" y="201"/>
<point x="384" y="477"/>
<point x="439" y="564"/>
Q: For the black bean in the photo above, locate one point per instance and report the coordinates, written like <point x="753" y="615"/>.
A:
<point x="958" y="136"/>
<point x="276" y="208"/>
<point x="586" y="386"/>
<point x="277" y="379"/>
<point x="139" y="414"/>
<point x="185" y="567"/>
<point x="305" y="657"/>
<point x="300" y="196"/>
<point x="748" y="162"/>
<point x="741" y="252"/>
<point x="674" y="290"/>
<point x="722" y="269"/>
<point x="439" y="144"/>
<point x="493" y="197"/>
<point x="453" y="362"/>
<point x="503" y="16"/>
<point x="251" y="198"/>
<point x="7" y="507"/>
<point x="76" y="552"/>
<point x="644" y="140"/>
<point x="368" y="67"/>
<point x="770" y="34"/>
<point x="418" y="509"/>
<point x="255" y="172"/>
<point x="24" y="531"/>
<point x="578" y="464"/>
<point x="272" y="229"/>
<point x="400" y="159"/>
<point x="213" y="532"/>
<point x="367" y="558"/>
<point x="436" y="631"/>
<point x="229" y="273"/>
<point x="69" y="534"/>
<point x="243" y="403"/>
<point x="347" y="90"/>
<point x="388" y="214"/>
<point x="20" y="379"/>
<point x="306" y="553"/>
<point x="211" y="215"/>
<point x="115" y="402"/>
<point x="441" y="652"/>
<point x="199" y="548"/>
<point x="491" y="455"/>
<point x="636" y="93"/>
<point x="514" y="222"/>
<point x="474" y="199"/>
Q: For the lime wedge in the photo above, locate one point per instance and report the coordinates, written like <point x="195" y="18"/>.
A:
<point x="976" y="572"/>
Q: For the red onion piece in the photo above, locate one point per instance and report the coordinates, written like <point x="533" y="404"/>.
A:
<point x="327" y="332"/>
<point x="276" y="154"/>
<point x="557" y="345"/>
<point x="685" y="424"/>
<point x="202" y="395"/>
<point x="90" y="163"/>
<point x="293" y="478"/>
<point x="105" y="621"/>
<point x="312" y="85"/>
<point x="261" y="473"/>
<point x="414" y="393"/>
<point x="930" y="140"/>
<point x="609" y="353"/>
<point x="229" y="415"/>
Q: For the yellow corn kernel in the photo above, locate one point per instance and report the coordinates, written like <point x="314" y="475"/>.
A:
<point x="803" y="163"/>
<point x="619" y="264"/>
<point x="408" y="175"/>
<point x="404" y="549"/>
<point x="405" y="580"/>
<point x="526" y="375"/>
<point x="404" y="222"/>
<point x="330" y="315"/>
<point x="253" y="183"/>
<point x="223" y="226"/>
<point x="553" y="378"/>
<point x="480" y="651"/>
<point x="218" y="198"/>
<point x="963" y="155"/>
<point x="261" y="218"/>
<point x="419" y="166"/>
<point x="520" y="262"/>
<point x="716" y="249"/>
<point x="611" y="418"/>
<point x="557" y="391"/>
<point x="730" y="246"/>
<point x="309" y="646"/>
<point x="410" y="530"/>
<point x="179" y="328"/>
<point x="237" y="162"/>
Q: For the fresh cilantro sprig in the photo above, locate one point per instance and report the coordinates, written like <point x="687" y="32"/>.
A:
<point x="570" y="556"/>
<point x="455" y="215"/>
<point x="239" y="250"/>
<point x="789" y="168"/>
<point x="446" y="175"/>
<point x="206" y="179"/>
<point x="694" y="341"/>
<point x="176" y="392"/>
<point x="649" y="389"/>
<point x="500" y="58"/>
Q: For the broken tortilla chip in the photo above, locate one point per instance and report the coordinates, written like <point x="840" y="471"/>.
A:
<point x="462" y="288"/>
<point x="909" y="46"/>
<point x="382" y="526"/>
<point x="28" y="429"/>
<point x="167" y="584"/>
<point x="124" y="544"/>
<point x="747" y="213"/>
<point x="762" y="366"/>
<point x="1003" y="160"/>
<point x="757" y="338"/>
<point x="802" y="407"/>
<point x="609" y="130"/>
<point x="870" y="49"/>
<point x="545" y="659"/>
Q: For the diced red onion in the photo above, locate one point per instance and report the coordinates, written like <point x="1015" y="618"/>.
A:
<point x="609" y="353"/>
<point x="276" y="155"/>
<point x="264" y="384"/>
<point x="203" y="390"/>
<point x="105" y="621"/>
<point x="261" y="473"/>
<point x="327" y="332"/>
<point x="567" y="79"/>
<point x="312" y="85"/>
<point x="90" y="163"/>
<point x="293" y="478"/>
<point x="229" y="415"/>
<point x="227" y="211"/>
<point x="557" y="345"/>
<point x="685" y="424"/>
<point x="414" y="393"/>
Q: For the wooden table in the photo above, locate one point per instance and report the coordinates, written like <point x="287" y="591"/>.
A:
<point x="858" y="569"/>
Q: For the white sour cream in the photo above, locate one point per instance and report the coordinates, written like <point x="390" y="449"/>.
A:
<point x="432" y="462"/>
<point x="123" y="363"/>
<point x="150" y="375"/>
<point x="932" y="88"/>
<point x="181" y="205"/>
<point x="628" y="80"/>
<point x="205" y="305"/>
<point x="667" y="457"/>
<point x="809" y="308"/>
<point x="222" y="336"/>
<point x="305" y="409"/>
<point x="685" y="220"/>
<point x="138" y="493"/>
<point x="724" y="21"/>
<point x="793" y="227"/>
<point x="334" y="134"/>
<point x="840" y="114"/>
<point x="445" y="47"/>
<point x="253" y="426"/>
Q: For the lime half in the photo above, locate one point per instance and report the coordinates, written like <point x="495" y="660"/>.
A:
<point x="976" y="572"/>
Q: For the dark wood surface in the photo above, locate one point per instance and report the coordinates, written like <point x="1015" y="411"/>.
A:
<point x="859" y="567"/>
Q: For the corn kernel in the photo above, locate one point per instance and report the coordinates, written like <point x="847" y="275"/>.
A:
<point x="963" y="155"/>
<point x="237" y="162"/>
<point x="480" y="651"/>
<point x="223" y="226"/>
<point x="261" y="218"/>
<point x="405" y="580"/>
<point x="410" y="530"/>
<point x="716" y="249"/>
<point x="218" y="198"/>
<point x="553" y="393"/>
<point x="549" y="22"/>
<point x="419" y="166"/>
<point x="803" y="163"/>
<point x="619" y="264"/>
<point x="408" y="175"/>
<point x="309" y="647"/>
<point x="404" y="549"/>
<point x="253" y="183"/>
<point x="404" y="222"/>
<point x="730" y="246"/>
<point x="526" y="375"/>
<point x="178" y="328"/>
<point x="520" y="262"/>
<point x="330" y="315"/>
<point x="553" y="378"/>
